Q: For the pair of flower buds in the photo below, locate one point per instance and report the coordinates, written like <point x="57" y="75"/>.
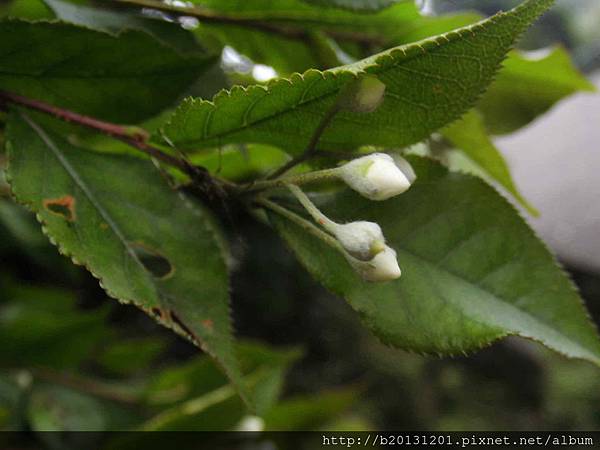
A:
<point x="377" y="177"/>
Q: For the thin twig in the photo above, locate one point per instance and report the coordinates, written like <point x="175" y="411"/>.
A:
<point x="133" y="136"/>
<point x="302" y="223"/>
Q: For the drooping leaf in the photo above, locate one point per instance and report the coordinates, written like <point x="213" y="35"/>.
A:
<point x="152" y="247"/>
<point x="123" y="78"/>
<point x="473" y="271"/>
<point x="527" y="87"/>
<point x="424" y="91"/>
<point x="469" y="135"/>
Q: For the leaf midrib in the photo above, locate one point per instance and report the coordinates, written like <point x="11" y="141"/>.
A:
<point x="63" y="161"/>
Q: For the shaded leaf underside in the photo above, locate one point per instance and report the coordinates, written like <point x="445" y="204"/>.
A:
<point x="124" y="78"/>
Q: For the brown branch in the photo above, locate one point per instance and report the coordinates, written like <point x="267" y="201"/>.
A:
<point x="133" y="136"/>
<point x="208" y="16"/>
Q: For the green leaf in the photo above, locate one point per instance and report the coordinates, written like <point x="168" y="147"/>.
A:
<point x="425" y="91"/>
<point x="469" y="136"/>
<point x="55" y="408"/>
<point x="301" y="42"/>
<point x="473" y="271"/>
<point x="152" y="247"/>
<point x="239" y="163"/>
<point x="294" y="49"/>
<point x="220" y="410"/>
<point x="26" y="9"/>
<point x="309" y="412"/>
<point x="527" y="87"/>
<point x="170" y="33"/>
<point x="40" y="326"/>
<point x="123" y="78"/>
<point x="357" y="5"/>
<point x="132" y="355"/>
<point x="200" y="376"/>
<point x="210" y="403"/>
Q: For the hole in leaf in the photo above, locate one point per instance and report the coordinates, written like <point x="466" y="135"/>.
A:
<point x="153" y="262"/>
<point x="63" y="207"/>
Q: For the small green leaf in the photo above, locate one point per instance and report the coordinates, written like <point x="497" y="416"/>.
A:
<point x="472" y="270"/>
<point x="152" y="247"/>
<point x="527" y="87"/>
<point x="469" y="136"/>
<point x="123" y="78"/>
<point x="210" y="403"/>
<point x="424" y="92"/>
<point x="309" y="412"/>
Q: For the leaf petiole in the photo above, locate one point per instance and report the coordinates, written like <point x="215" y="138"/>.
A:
<point x="303" y="178"/>
<point x="303" y="223"/>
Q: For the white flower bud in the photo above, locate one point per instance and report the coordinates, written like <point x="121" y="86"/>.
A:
<point x="363" y="240"/>
<point x="363" y="95"/>
<point x="383" y="267"/>
<point x="251" y="423"/>
<point x="405" y="168"/>
<point x="377" y="176"/>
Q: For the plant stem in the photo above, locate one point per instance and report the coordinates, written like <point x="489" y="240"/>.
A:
<point x="310" y="207"/>
<point x="303" y="223"/>
<point x="209" y="16"/>
<point x="134" y="136"/>
<point x="302" y="178"/>
<point x="131" y="135"/>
